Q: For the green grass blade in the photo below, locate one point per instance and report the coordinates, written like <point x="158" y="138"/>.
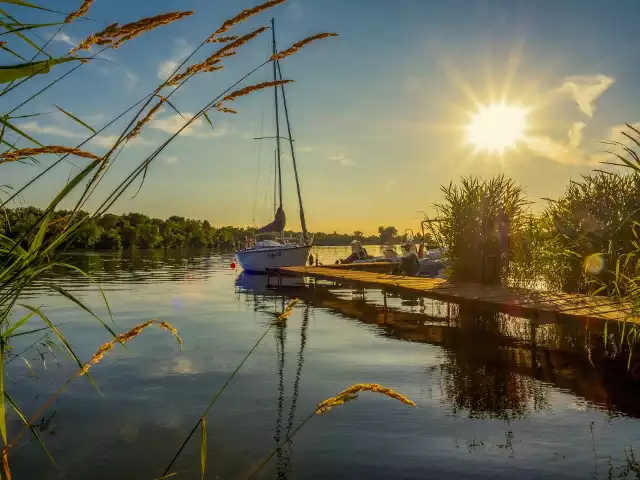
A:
<point x="3" y="415"/>
<point x="208" y="120"/>
<point x="36" y="243"/>
<point x="29" y="27"/>
<point x="605" y="334"/>
<point x="203" y="445"/>
<point x="48" y="322"/>
<point x="6" y="123"/>
<point x="22" y="3"/>
<point x="88" y="277"/>
<point x="7" y="49"/>
<point x="73" y="117"/>
<point x="10" y="73"/>
<point x="27" y="424"/>
<point x="69" y="296"/>
<point x="18" y="324"/>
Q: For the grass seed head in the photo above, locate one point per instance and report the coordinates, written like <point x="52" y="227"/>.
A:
<point x="302" y="43"/>
<point x="351" y="392"/>
<point x="81" y="12"/>
<point x="242" y="16"/>
<point x="15" y="155"/>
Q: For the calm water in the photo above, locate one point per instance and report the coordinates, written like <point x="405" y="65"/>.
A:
<point x="497" y="396"/>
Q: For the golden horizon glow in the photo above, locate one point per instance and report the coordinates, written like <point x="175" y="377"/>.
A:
<point x="497" y="127"/>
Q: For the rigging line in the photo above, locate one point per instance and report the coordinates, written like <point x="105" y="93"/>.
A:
<point x="259" y="155"/>
<point x="275" y="96"/>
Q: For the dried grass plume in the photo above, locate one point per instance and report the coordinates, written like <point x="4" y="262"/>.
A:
<point x="81" y="12"/>
<point x="351" y="393"/>
<point x="298" y="45"/>
<point x="14" y="155"/>
<point x="115" y="34"/>
<point x="242" y="16"/>
<point x="124" y="338"/>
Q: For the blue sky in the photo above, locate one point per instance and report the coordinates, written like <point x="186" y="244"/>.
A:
<point x="378" y="113"/>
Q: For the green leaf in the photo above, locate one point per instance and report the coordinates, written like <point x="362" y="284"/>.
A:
<point x="4" y="121"/>
<point x="3" y="415"/>
<point x="10" y="73"/>
<point x="48" y="322"/>
<point x="203" y="445"/>
<point x="91" y="279"/>
<point x="73" y="117"/>
<point x="7" y="49"/>
<point x="18" y="324"/>
<point x="36" y="243"/>
<point x="31" y="26"/>
<point x="22" y="3"/>
<point x="208" y="119"/>
<point x="65" y="293"/>
<point x="26" y="422"/>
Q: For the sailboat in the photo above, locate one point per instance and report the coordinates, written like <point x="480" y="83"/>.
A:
<point x="264" y="255"/>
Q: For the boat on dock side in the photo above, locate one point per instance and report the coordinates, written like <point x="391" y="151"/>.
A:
<point x="260" y="256"/>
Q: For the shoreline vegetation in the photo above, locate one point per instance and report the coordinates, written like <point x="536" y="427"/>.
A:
<point x="587" y="240"/>
<point x="136" y="230"/>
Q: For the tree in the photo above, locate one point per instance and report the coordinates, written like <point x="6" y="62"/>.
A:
<point x="387" y="234"/>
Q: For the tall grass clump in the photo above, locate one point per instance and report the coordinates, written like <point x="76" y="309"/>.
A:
<point x="481" y="222"/>
<point x="37" y="253"/>
<point x="594" y="222"/>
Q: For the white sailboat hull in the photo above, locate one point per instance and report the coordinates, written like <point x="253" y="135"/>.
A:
<point x="260" y="260"/>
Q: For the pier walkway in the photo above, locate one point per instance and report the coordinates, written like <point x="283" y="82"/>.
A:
<point x="539" y="305"/>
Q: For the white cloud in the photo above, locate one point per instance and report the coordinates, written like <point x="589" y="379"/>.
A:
<point x="64" y="38"/>
<point x="571" y="153"/>
<point x="107" y="141"/>
<point x="575" y="134"/>
<point x="341" y="158"/>
<point x="172" y="159"/>
<point x="306" y="148"/>
<point x="173" y="123"/>
<point x="585" y="89"/>
<point x="131" y="80"/>
<point x="166" y="68"/>
<point x="35" y="127"/>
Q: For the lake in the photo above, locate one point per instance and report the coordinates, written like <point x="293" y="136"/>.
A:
<point x="497" y="396"/>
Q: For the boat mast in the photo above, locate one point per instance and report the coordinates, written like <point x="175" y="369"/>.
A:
<point x="275" y="93"/>
<point x="303" y="222"/>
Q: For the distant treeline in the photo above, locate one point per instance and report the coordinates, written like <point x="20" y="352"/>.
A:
<point x="136" y="230"/>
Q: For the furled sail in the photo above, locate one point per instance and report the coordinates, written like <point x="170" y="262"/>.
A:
<point x="277" y="225"/>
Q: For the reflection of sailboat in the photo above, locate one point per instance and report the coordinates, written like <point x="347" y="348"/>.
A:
<point x="267" y="254"/>
<point x="283" y="454"/>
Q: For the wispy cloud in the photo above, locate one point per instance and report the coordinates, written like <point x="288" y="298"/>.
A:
<point x="182" y="49"/>
<point x="35" y="127"/>
<point x="306" y="148"/>
<point x="172" y="159"/>
<point x="585" y="89"/>
<point x="105" y="141"/>
<point x="166" y="68"/>
<point x="173" y="123"/>
<point x="341" y="158"/>
<point x="64" y="38"/>
<point x="131" y="80"/>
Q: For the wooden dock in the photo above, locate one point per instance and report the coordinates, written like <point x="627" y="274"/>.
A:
<point x="539" y="305"/>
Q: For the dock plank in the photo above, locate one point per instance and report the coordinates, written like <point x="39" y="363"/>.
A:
<point x="514" y="301"/>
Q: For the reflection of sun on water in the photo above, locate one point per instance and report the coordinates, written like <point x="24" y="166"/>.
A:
<point x="497" y="127"/>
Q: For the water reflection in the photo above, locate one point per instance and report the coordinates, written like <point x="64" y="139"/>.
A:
<point x="493" y="365"/>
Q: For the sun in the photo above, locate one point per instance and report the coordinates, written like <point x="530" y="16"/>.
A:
<point x="497" y="127"/>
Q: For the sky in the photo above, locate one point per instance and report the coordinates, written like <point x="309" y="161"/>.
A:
<point x="378" y="114"/>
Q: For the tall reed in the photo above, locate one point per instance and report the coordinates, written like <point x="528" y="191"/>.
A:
<point x="25" y="259"/>
<point x="480" y="221"/>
